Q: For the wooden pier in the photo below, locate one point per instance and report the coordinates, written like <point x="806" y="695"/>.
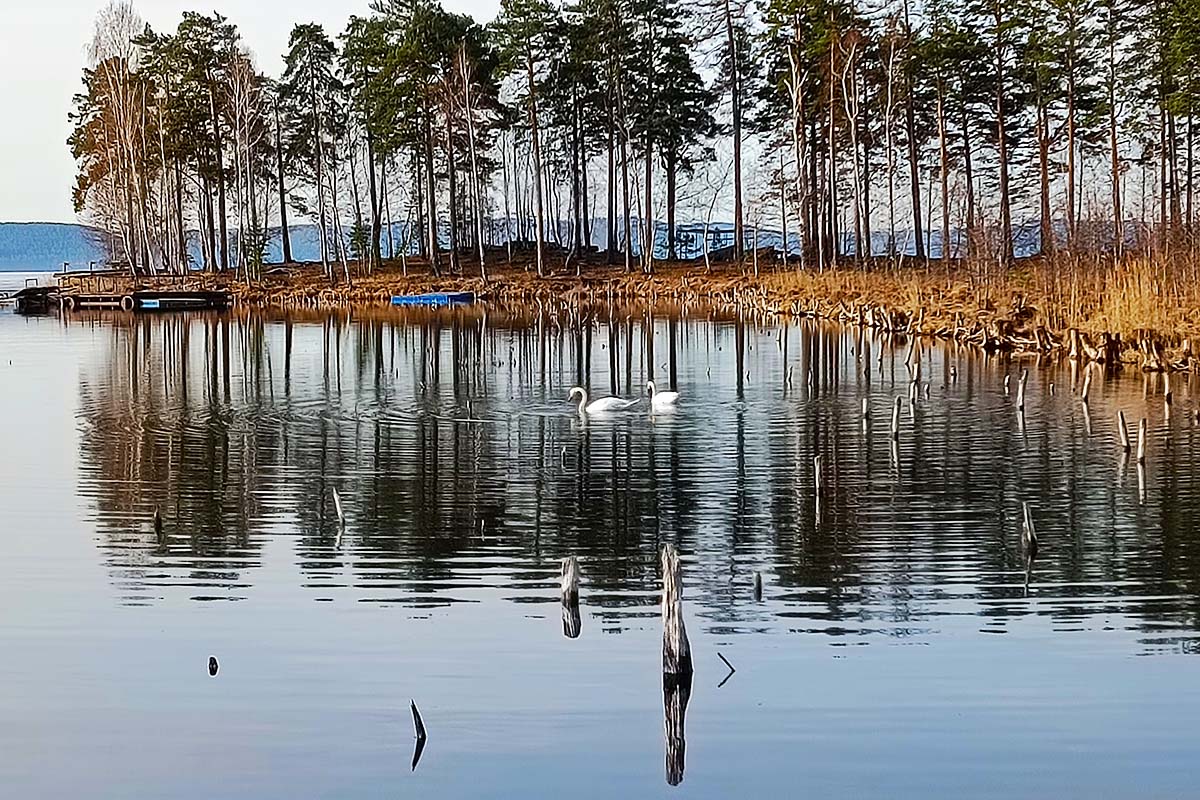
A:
<point x="117" y="289"/>
<point x="149" y="300"/>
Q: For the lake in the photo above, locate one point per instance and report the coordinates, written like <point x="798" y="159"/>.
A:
<point x="899" y="648"/>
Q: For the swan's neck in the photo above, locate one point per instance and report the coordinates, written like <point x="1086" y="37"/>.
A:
<point x="650" y="387"/>
<point x="583" y="398"/>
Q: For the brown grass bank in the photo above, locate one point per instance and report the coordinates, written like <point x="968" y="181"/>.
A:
<point x="1137" y="310"/>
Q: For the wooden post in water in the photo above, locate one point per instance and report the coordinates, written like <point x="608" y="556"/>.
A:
<point x="1122" y="431"/>
<point x="1028" y="532"/>
<point x="1006" y="379"/>
<point x="570" y="580"/>
<point x="1141" y="444"/>
<point x="677" y="651"/>
<point x="818" y="478"/>
<point x="1029" y="542"/>
<point x="677" y="665"/>
<point x="896" y="419"/>
<point x="337" y="504"/>
<point x="866" y="410"/>
<point x="757" y="586"/>
<point x="572" y="621"/>
<point x="158" y="528"/>
<point x="1021" y="390"/>
<point x="1166" y="380"/>
<point x="1087" y="383"/>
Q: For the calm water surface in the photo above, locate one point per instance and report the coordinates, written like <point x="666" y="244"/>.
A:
<point x="896" y="651"/>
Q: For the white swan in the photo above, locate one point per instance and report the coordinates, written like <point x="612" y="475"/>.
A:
<point x="601" y="406"/>
<point x="661" y="401"/>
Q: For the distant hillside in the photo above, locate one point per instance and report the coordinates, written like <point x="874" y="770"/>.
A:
<point x="44" y="246"/>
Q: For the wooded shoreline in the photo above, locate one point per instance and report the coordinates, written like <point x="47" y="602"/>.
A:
<point x="1137" y="312"/>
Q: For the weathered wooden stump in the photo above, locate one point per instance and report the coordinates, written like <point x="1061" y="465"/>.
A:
<point x="677" y="651"/>
<point x="1122" y="431"/>
<point x="570" y="580"/>
<point x="572" y="621"/>
<point x="677" y="666"/>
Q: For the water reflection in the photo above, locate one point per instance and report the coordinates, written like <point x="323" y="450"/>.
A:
<point x="465" y="473"/>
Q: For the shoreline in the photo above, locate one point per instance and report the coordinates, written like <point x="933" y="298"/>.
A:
<point x="1095" y="311"/>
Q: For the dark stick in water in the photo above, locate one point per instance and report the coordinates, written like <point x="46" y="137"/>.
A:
<point x="419" y="732"/>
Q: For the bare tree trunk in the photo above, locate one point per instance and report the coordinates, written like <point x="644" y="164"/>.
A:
<point x="735" y="90"/>
<point x="508" y="230"/>
<point x="476" y="191"/>
<point x="944" y="168"/>
<point x="648" y="230"/>
<point x="181" y="231"/>
<point x="320" y="173"/>
<point x="611" y="190"/>
<point x="969" y="177"/>
<point x="1043" y="137"/>
<point x="914" y="176"/>
<point x="452" y="179"/>
<point x="376" y="215"/>
<point x="1072" y="219"/>
<point x="1006" y="230"/>
<point x="221" y="213"/>
<point x="537" y="160"/>
<point x="431" y="232"/>
<point x="284" y="233"/>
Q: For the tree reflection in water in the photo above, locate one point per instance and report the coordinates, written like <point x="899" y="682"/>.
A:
<point x="463" y="468"/>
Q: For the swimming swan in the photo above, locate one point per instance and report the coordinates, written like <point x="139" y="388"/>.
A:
<point x="661" y="401"/>
<point x="601" y="406"/>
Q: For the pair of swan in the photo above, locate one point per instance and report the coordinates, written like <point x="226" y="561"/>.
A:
<point x="659" y="401"/>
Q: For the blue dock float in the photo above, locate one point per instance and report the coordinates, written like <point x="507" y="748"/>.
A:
<point x="434" y="299"/>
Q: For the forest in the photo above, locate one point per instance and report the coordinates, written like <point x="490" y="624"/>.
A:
<point x="627" y="132"/>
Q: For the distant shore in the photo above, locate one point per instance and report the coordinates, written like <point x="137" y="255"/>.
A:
<point x="1132" y="311"/>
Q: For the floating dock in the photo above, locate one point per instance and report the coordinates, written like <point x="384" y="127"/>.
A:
<point x="434" y="299"/>
<point x="150" y="300"/>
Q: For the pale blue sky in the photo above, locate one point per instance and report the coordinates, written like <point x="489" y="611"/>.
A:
<point x="42" y="46"/>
